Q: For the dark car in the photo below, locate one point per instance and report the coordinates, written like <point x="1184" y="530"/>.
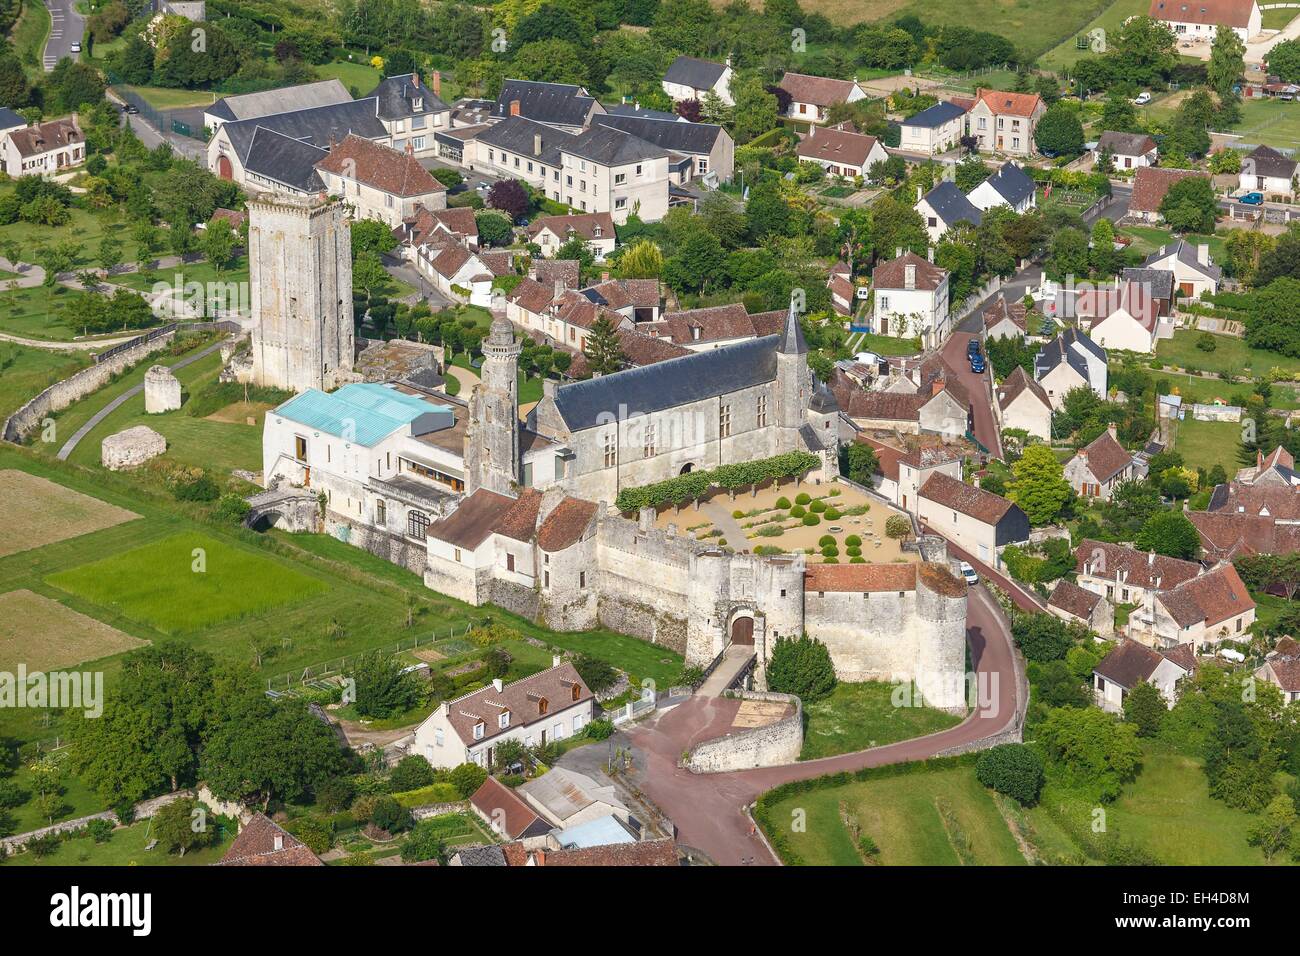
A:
<point x="977" y="363"/>
<point x="973" y="347"/>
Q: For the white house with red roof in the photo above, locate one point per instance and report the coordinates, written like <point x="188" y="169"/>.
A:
<point x="841" y="152"/>
<point x="1209" y="609"/>
<point x="1200" y="20"/>
<point x="1020" y="402"/>
<point x="1096" y="469"/>
<point x="595" y="229"/>
<point x="1005" y="122"/>
<point x="812" y="96"/>
<point x="911" y="299"/>
<point x="1125" y="317"/>
<point x="379" y="182"/>
<point x="1131" y="663"/>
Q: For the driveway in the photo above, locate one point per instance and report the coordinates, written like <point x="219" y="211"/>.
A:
<point x="978" y="386"/>
<point x="709" y="809"/>
<point x="67" y="27"/>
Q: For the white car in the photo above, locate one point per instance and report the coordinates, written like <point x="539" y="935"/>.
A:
<point x="1143" y="99"/>
<point x="868" y="358"/>
<point x="76" y="48"/>
<point x="969" y="574"/>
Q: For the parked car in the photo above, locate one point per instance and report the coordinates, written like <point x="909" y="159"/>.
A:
<point x="973" y="347"/>
<point x="868" y="358"/>
<point x="483" y="187"/>
<point x="130" y="110"/>
<point x="76" y="48"/>
<point x="977" y="363"/>
<point x="969" y="574"/>
<point x="1142" y="99"/>
<point x="1251" y="199"/>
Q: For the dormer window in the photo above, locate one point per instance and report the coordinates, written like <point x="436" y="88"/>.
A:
<point x="478" y="730"/>
<point x="417" y="104"/>
<point x="504" y="720"/>
<point x="543" y="706"/>
<point x="577" y="691"/>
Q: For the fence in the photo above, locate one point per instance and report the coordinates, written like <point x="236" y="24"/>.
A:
<point x="317" y="672"/>
<point x="132" y="343"/>
<point x="165" y="121"/>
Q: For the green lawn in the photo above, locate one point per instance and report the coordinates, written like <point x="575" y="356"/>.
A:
<point x="362" y="76"/>
<point x="178" y="277"/>
<point x="1231" y="355"/>
<point x="886" y="345"/>
<point x="857" y="716"/>
<point x="1035" y="26"/>
<point x="126" y="847"/>
<point x="530" y="387"/>
<point x="1198" y="388"/>
<point x="24" y="372"/>
<point x="1110" y="19"/>
<point x="1277" y="19"/>
<point x="1272" y="122"/>
<point x="930" y="818"/>
<point x="1206" y="444"/>
<point x="29" y="35"/>
<point x="187" y="583"/>
<point x="1150" y="238"/>
<point x="164" y="98"/>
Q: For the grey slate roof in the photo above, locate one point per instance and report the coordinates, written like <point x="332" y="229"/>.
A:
<point x="1269" y="162"/>
<point x="481" y="856"/>
<point x="1012" y="183"/>
<point x="676" y="381"/>
<point x="284" y="100"/>
<point x="792" y="340"/>
<point x="697" y="74"/>
<point x="285" y="160"/>
<point x="675" y="134"/>
<point x="10" y="119"/>
<point x="516" y="134"/>
<point x="613" y="147"/>
<point x="951" y="205"/>
<point x="636" y="109"/>
<point x="1160" y="282"/>
<point x="935" y="116"/>
<point x="397" y="93"/>
<point x="1060" y="350"/>
<point x="560" y="103"/>
<point x="1187" y="254"/>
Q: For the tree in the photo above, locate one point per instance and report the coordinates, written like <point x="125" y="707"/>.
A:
<point x="509" y="196"/>
<point x="368" y="273"/>
<point x="643" y="259"/>
<point x="1284" y="60"/>
<point x="1042" y="637"/>
<point x="467" y="778"/>
<point x="801" y="666"/>
<point x="1069" y="255"/>
<point x="424" y="842"/>
<point x="1190" y="205"/>
<point x="1142" y="52"/>
<point x="602" y="350"/>
<point x="182" y="826"/>
<point x="1094" y="749"/>
<point x="1119" y="115"/>
<point x="1038" y="485"/>
<point x="861" y="463"/>
<point x="1273" y="830"/>
<point x="383" y="686"/>
<point x="218" y="244"/>
<point x="897" y="527"/>
<point x="756" y="108"/>
<point x="1169" y="533"/>
<point x="371" y="235"/>
<point x="1274" y="322"/>
<point x="1012" y="769"/>
<point x="1144" y="708"/>
<point x="494" y="229"/>
<point x="1059" y="132"/>
<point x="1227" y="63"/>
<point x="700" y="262"/>
<point x="411" y="773"/>
<point x="110" y="254"/>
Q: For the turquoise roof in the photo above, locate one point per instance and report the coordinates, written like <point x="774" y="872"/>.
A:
<point x="601" y="831"/>
<point x="364" y="412"/>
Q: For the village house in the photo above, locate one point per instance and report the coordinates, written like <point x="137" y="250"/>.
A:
<point x="1127" y="150"/>
<point x="263" y="842"/>
<point x="43" y="149"/>
<point x="567" y="798"/>
<point x="551" y="705"/>
<point x="1131" y="663"/>
<point x="714" y="326"/>
<point x="977" y="521"/>
<point x="1009" y="187"/>
<point x="1200" y="20"/>
<point x="811" y="97"/>
<point x="689" y="78"/>
<point x="911" y="299"/>
<point x="1193" y="270"/>
<point x="1005" y="320"/>
<point x="1266" y="170"/>
<point x="563" y="106"/>
<point x="1005" y="122"/>
<point x="244" y="106"/>
<point x="1022" y="403"/>
<point x="844" y="291"/>
<point x="1126" y="576"/>
<point x="1078" y="605"/>
<point x="1157" y="285"/>
<point x="944" y="207"/>
<point x="412" y="112"/>
<point x="1281" y="668"/>
<point x="380" y="183"/>
<point x="461" y="273"/>
<point x="1094" y="470"/>
<point x="595" y="229"/>
<point x="1212" y="607"/>
<point x="507" y="814"/>
<point x="1226" y="535"/>
<point x="1069" y="361"/>
<point x="1122" y="317"/>
<point x="1150" y="183"/>
<point x="703" y="151"/>
<point x="903" y="470"/>
<point x="841" y="152"/>
<point x="437" y="225"/>
<point x="937" y="129"/>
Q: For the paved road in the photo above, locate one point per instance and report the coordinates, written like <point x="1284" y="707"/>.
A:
<point x="118" y="402"/>
<point x="67" y="27"/>
<point x="978" y="387"/>
<point x="708" y="809"/>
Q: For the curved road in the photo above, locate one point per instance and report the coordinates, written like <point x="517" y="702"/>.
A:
<point x="67" y="27"/>
<point x="708" y="809"/>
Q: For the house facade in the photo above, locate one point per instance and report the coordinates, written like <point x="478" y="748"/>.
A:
<point x="1200" y="20"/>
<point x="379" y="182"/>
<point x="1005" y="122"/>
<point x="1127" y="150"/>
<point x="910" y="299"/>
<point x="1020" y="402"/>
<point x="689" y="78"/>
<point x="811" y="97"/>
<point x="1266" y="170"/>
<point x="840" y="152"/>
<point x="1095" y="470"/>
<point x="937" y="129"/>
<point x="43" y="149"/>
<point x="977" y="521"/>
<point x="1131" y="663"/>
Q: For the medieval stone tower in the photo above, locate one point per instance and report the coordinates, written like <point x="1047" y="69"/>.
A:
<point x="794" y="383"/>
<point x="492" y="432"/>
<point x="300" y="269"/>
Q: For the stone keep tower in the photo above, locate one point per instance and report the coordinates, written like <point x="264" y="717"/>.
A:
<point x="794" y="382"/>
<point x="300" y="268"/>
<point x="492" y="433"/>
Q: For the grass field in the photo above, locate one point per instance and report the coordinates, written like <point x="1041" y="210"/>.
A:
<point x="44" y="635"/>
<point x="40" y="512"/>
<point x="187" y="582"/>
<point x="1273" y="122"/>
<point x="886" y="345"/>
<point x="935" y="818"/>
<point x="29" y="35"/>
<point x="1147" y="239"/>
<point x="857" y="716"/>
<point x="1111" y="18"/>
<point x="26" y="372"/>
<point x="1206" y="444"/>
<point x="1231" y="355"/>
<point x="126" y="847"/>
<point x="1277" y="19"/>
<point x="362" y="76"/>
<point x="164" y="98"/>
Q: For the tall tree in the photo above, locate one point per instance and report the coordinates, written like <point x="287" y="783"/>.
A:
<point x="602" y="350"/>
<point x="1038" y="485"/>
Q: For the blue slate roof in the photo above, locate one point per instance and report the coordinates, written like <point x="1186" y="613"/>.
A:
<point x="951" y="205"/>
<point x="935" y="116"/>
<point x="363" y="412"/>
<point x="1012" y="183"/>
<point x="9" y="119"/>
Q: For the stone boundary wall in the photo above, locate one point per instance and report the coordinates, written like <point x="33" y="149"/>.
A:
<point x="770" y="746"/>
<point x="76" y="387"/>
<point x="440" y="809"/>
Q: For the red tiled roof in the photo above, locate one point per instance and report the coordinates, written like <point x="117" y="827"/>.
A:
<point x="1017" y="383"/>
<point x="1226" y="534"/>
<point x="565" y="524"/>
<point x="487" y="512"/>
<point x="1232" y="13"/>
<point x="818" y="90"/>
<point x="256" y="846"/>
<point x="1132" y="297"/>
<point x="1010" y="104"/>
<point x="1129" y="664"/>
<point x="531" y="295"/>
<point x="568" y="272"/>
<point x="1214" y="597"/>
<point x="836" y="146"/>
<point x="523" y="698"/>
<point x="1141" y="569"/>
<point x="502" y="807"/>
<point x="1150" y="184"/>
<point x="382" y="167"/>
<point x="893" y="273"/>
<point x="860" y="577"/>
<point x="1105" y="456"/>
<point x="1273" y="501"/>
<point x="965" y="499"/>
<point x="582" y="225"/>
<point x="1287" y="672"/>
<point x="1074" y="600"/>
<point x="43" y="137"/>
<point x="1002" y="309"/>
<point x="645" y="853"/>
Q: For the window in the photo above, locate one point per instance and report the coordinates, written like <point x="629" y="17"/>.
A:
<point x="504" y="720"/>
<point x="649" y="445"/>
<point x="388" y="200"/>
<point x="884" y="302"/>
<point x="543" y="705"/>
<point x="546" y="579"/>
<point x="381" y="513"/>
<point x="724" y="421"/>
<point x="582" y="583"/>
<point x="620" y="203"/>
<point x="620" y="179"/>
<point x="638" y="169"/>
<point x="510" y="562"/>
<point x="762" y="411"/>
<point x="702" y="165"/>
<point x="478" y="730"/>
<point x="458" y="554"/>
<point x="530" y="166"/>
<point x="611" y="451"/>
<point x="299" y="448"/>
<point x="417" y="523"/>
<point x="438" y="736"/>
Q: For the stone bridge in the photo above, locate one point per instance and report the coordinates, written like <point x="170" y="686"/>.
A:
<point x="289" y="509"/>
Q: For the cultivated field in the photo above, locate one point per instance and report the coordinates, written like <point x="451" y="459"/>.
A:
<point x="44" y="635"/>
<point x="187" y="582"/>
<point x="40" y="512"/>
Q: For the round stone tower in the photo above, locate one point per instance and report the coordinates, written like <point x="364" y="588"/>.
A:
<point x="706" y="633"/>
<point x="492" y="434"/>
<point x="941" y="637"/>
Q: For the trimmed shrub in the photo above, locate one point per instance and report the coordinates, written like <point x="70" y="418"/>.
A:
<point x="1012" y="769"/>
<point x="853" y="541"/>
<point x="896" y="526"/>
<point x="798" y="511"/>
<point x="825" y="540"/>
<point x="853" y="551"/>
<point x="857" y="560"/>
<point x="811" y="520"/>
<point x="738" y="514"/>
<point x="817" y="507"/>
<point x="830" y="551"/>
<point x="832" y="514"/>
<point x="802" y="498"/>
<point x="783" y="503"/>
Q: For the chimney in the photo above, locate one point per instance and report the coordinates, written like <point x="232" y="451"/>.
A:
<point x="1203" y="254"/>
<point x="555" y="660"/>
<point x="514" y="107"/>
<point x="435" y="82"/>
<point x="415" y="79"/>
<point x="559" y="288"/>
<point x="929" y="253"/>
<point x="909" y="276"/>
<point x="548" y="388"/>
<point x="936" y="387"/>
<point x="537" y="144"/>
<point x="1110" y="429"/>
<point x="919" y="193"/>
<point x="497" y="685"/>
<point x="410" y="148"/>
<point x="604" y="277"/>
<point x="898" y="252"/>
<point x="1151" y="559"/>
<point x="279" y="841"/>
